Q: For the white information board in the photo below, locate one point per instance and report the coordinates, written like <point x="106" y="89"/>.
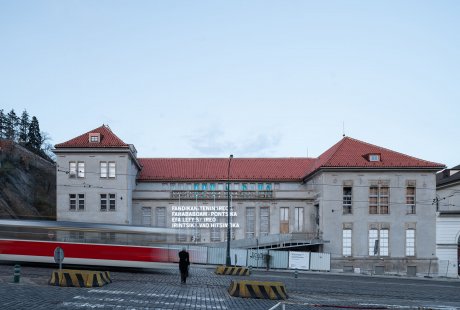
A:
<point x="299" y="260"/>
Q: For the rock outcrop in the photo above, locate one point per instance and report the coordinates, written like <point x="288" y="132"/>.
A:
<point x="27" y="184"/>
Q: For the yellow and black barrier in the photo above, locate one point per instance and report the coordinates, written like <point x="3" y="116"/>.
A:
<point x="79" y="278"/>
<point x="233" y="271"/>
<point x="258" y="289"/>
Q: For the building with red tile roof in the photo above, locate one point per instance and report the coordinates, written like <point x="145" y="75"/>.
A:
<point x="447" y="202"/>
<point x="362" y="203"/>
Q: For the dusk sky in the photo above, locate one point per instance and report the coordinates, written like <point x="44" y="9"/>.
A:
<point x="249" y="78"/>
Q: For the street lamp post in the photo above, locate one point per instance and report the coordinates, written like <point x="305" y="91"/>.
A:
<point x="228" y="261"/>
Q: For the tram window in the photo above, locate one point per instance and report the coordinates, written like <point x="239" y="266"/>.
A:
<point x="77" y="235"/>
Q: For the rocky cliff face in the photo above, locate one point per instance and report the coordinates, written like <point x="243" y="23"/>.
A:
<point x="27" y="184"/>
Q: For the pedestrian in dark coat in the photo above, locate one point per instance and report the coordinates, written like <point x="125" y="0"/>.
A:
<point x="184" y="262"/>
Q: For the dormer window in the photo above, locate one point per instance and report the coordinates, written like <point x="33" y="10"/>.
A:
<point x="94" y="137"/>
<point x="374" y="157"/>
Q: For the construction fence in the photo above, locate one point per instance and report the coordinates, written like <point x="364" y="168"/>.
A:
<point x="262" y="258"/>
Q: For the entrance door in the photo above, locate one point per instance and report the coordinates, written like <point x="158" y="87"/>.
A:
<point x="284" y="220"/>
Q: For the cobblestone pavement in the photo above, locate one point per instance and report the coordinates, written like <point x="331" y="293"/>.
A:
<point x="161" y="289"/>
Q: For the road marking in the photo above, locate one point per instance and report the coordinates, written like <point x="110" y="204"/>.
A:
<point x="94" y="302"/>
<point x="155" y="295"/>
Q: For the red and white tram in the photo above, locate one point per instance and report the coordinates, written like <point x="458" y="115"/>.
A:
<point x="84" y="243"/>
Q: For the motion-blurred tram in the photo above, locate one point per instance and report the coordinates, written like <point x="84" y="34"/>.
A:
<point x="84" y="243"/>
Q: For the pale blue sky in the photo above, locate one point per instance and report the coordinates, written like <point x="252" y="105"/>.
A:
<point x="251" y="78"/>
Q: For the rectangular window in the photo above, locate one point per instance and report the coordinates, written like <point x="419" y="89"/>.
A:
<point x="103" y="168"/>
<point x="346" y="242"/>
<point x="347" y="200"/>
<point x="81" y="202"/>
<point x="379" y="198"/>
<point x="284" y="220"/>
<point x="107" y="169"/>
<point x="378" y="242"/>
<point x="298" y="219"/>
<point x="112" y="169"/>
<point x="204" y="186"/>
<point x="72" y="202"/>
<point x="81" y="169"/>
<point x="260" y="186"/>
<point x="410" y="199"/>
<point x="146" y="216"/>
<point x="383" y="242"/>
<point x="212" y="186"/>
<point x="103" y="202"/>
<point x="244" y="187"/>
<point x="160" y="216"/>
<point x="72" y="169"/>
<point x="250" y="223"/>
<point x="264" y="221"/>
<point x="373" y="242"/>
<point x="112" y="202"/>
<point x="215" y="234"/>
<point x="410" y="242"/>
<point x="196" y="186"/>
<point x="108" y="200"/>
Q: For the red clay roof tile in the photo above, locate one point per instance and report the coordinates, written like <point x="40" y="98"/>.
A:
<point x="200" y="169"/>
<point x="107" y="140"/>
<point x="347" y="153"/>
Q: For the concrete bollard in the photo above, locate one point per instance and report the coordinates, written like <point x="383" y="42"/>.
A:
<point x="17" y="273"/>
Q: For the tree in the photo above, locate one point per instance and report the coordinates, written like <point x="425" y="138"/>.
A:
<point x="46" y="147"/>
<point x="34" y="137"/>
<point x="24" y="124"/>
<point x="2" y="124"/>
<point x="11" y="125"/>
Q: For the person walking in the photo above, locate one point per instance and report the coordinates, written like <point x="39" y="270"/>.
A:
<point x="184" y="263"/>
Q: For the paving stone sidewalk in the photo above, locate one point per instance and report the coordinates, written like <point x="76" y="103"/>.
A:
<point x="161" y="289"/>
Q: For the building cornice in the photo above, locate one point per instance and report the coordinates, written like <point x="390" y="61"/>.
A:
<point x="105" y="150"/>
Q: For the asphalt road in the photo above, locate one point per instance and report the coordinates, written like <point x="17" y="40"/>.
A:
<point x="161" y="289"/>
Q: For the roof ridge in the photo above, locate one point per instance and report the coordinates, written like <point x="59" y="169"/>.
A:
<point x="392" y="151"/>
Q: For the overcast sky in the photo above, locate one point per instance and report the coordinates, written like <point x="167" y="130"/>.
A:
<point x="249" y="78"/>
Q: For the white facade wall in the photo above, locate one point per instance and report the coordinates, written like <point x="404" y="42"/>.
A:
<point x="285" y="195"/>
<point x="447" y="243"/>
<point x="332" y="220"/>
<point x="448" y="229"/>
<point x="92" y="186"/>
